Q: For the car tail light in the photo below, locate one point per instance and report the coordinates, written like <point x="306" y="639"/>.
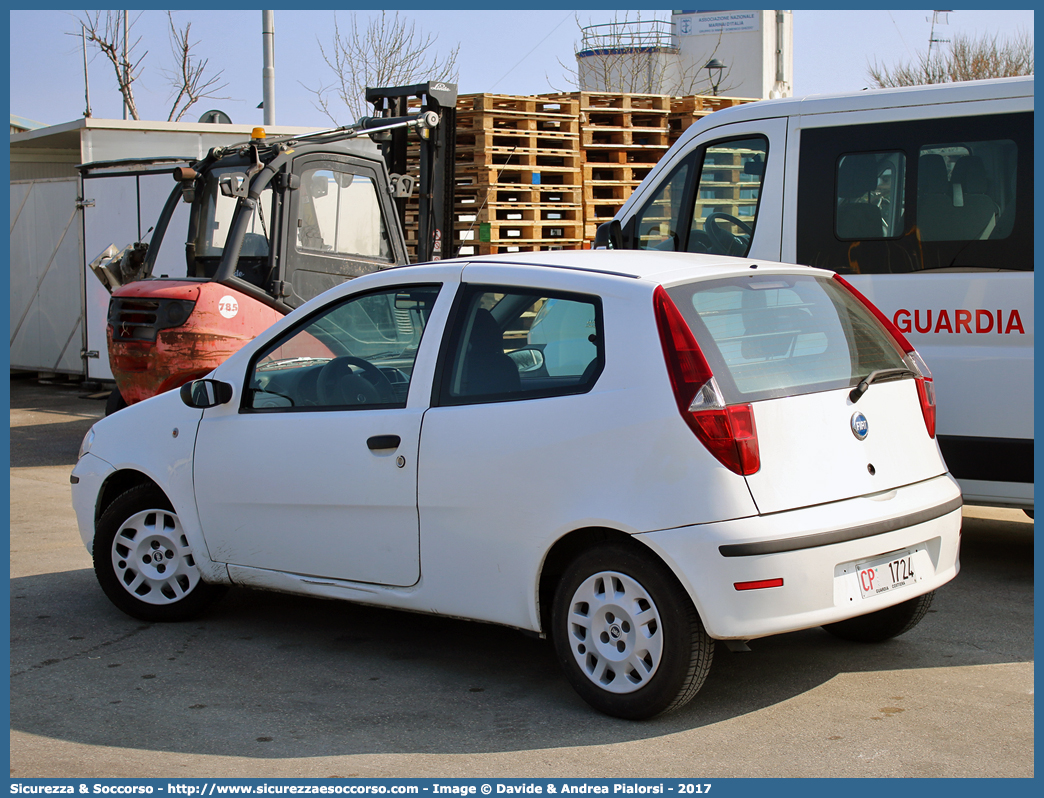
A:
<point x="925" y="389"/>
<point x="912" y="360"/>
<point x="727" y="431"/>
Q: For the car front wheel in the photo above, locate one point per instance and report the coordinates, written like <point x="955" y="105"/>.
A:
<point x="144" y="562"/>
<point x="883" y="624"/>
<point x="627" y="635"/>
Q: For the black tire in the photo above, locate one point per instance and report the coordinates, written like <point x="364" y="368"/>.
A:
<point x="638" y="653"/>
<point x="883" y="624"/>
<point x="144" y="562"/>
<point x="115" y="402"/>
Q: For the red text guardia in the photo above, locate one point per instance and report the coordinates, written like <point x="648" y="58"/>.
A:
<point x="959" y="321"/>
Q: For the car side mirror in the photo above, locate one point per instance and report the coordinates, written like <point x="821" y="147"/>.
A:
<point x="609" y="235"/>
<point x="202" y="394"/>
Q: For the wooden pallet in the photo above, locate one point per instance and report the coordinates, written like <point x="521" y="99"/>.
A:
<point x="613" y="101"/>
<point x="487" y="139"/>
<point x="506" y="104"/>
<point x="519" y="177"/>
<point x="512" y="232"/>
<point x="686" y="111"/>
<point x="470" y="249"/>
<point x="538" y="160"/>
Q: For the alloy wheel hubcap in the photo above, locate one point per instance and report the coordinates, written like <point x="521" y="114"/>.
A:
<point x="615" y="633"/>
<point x="152" y="558"/>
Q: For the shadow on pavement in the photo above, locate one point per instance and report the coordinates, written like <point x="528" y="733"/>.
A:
<point x="273" y="676"/>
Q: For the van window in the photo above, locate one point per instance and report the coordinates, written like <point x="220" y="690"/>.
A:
<point x="966" y="189"/>
<point x="926" y="194"/>
<point x="727" y="199"/>
<point x="656" y="226"/>
<point x="870" y="191"/>
<point x="710" y="209"/>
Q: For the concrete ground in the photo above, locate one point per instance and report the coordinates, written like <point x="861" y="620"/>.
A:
<point x="270" y="685"/>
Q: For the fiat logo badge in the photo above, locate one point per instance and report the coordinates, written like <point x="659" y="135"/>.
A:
<point x="860" y="426"/>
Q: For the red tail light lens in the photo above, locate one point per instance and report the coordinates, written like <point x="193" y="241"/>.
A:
<point x="925" y="385"/>
<point x="728" y="432"/>
<point x="925" y="389"/>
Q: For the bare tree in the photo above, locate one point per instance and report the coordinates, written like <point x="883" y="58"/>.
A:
<point x="967" y="59"/>
<point x="189" y="79"/>
<point x="106" y="31"/>
<point x="638" y="57"/>
<point x="388" y="51"/>
<point x="107" y="34"/>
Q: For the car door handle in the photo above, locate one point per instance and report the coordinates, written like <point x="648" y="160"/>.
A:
<point x="384" y="442"/>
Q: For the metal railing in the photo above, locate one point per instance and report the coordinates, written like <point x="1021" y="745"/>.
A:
<point x="630" y="35"/>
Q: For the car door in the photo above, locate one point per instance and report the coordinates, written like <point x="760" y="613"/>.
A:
<point x="510" y="419"/>
<point x="315" y="473"/>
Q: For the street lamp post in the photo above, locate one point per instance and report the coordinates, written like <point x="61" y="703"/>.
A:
<point x="715" y="69"/>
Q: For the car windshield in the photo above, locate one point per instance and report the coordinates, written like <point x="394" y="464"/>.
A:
<point x="770" y="335"/>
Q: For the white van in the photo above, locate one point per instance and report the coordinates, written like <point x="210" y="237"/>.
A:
<point x="922" y="198"/>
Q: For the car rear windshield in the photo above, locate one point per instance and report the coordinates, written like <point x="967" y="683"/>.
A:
<point x="771" y="335"/>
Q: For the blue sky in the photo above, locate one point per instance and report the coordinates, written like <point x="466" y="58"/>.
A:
<point x="505" y="52"/>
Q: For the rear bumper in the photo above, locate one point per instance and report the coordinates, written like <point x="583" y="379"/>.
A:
<point x="808" y="549"/>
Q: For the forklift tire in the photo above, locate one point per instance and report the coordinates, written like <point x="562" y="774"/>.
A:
<point x="114" y="402"/>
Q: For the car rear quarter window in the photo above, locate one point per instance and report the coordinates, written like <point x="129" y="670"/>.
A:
<point x="768" y="336"/>
<point x="508" y="344"/>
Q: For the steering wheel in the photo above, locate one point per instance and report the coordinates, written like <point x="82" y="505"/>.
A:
<point x="724" y="240"/>
<point x="339" y="384"/>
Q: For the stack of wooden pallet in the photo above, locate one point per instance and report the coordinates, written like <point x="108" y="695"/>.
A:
<point x="542" y="172"/>
<point x="518" y="177"/>
<point x="687" y="110"/>
<point x="622" y="136"/>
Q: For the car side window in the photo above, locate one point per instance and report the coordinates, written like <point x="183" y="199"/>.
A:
<point x="510" y="343"/>
<point x="357" y="353"/>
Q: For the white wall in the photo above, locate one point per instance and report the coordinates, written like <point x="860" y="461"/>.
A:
<point x="746" y="42"/>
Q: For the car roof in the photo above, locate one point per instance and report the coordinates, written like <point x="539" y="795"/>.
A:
<point x="664" y="268"/>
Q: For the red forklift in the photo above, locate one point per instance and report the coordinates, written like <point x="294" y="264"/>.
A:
<point x="272" y="224"/>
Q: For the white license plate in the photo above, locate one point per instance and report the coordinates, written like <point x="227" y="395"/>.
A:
<point x="888" y="572"/>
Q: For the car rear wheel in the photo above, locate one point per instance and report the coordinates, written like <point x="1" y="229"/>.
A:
<point x="144" y="562"/>
<point x="627" y="635"/>
<point x="883" y="624"/>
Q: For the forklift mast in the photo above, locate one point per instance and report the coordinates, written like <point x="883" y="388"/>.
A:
<point x="437" y="161"/>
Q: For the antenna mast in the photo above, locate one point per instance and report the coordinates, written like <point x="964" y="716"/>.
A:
<point x="931" y="36"/>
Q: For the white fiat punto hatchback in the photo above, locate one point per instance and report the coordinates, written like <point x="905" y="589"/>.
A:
<point x="635" y="453"/>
